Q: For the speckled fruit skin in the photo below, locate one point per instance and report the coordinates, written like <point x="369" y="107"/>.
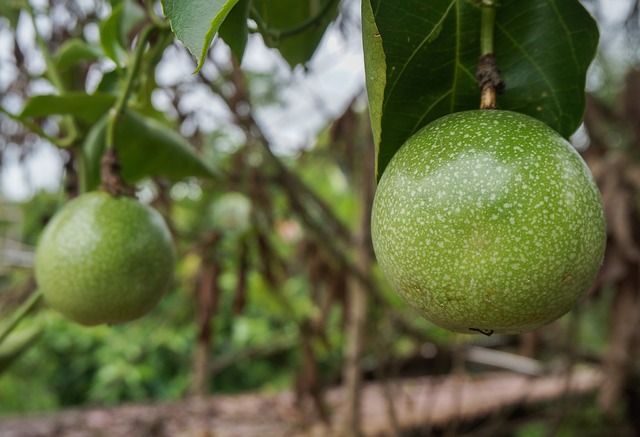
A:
<point x="488" y="221"/>
<point x="103" y="259"/>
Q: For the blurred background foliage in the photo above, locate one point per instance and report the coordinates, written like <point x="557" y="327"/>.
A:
<point x="271" y="232"/>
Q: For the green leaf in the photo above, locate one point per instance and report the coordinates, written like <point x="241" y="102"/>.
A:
<point x="86" y="107"/>
<point x="110" y="36"/>
<point x="125" y="17"/>
<point x="234" y="30"/>
<point x="293" y="27"/>
<point x="75" y="51"/>
<point x="376" y="78"/>
<point x="146" y="148"/>
<point x="196" y="22"/>
<point x="431" y="50"/>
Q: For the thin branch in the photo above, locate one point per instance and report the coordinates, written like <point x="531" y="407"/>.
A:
<point x="20" y="313"/>
<point x="317" y="226"/>
<point x="54" y="77"/>
<point x="36" y="129"/>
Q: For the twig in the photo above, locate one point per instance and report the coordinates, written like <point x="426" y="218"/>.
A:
<point x="19" y="314"/>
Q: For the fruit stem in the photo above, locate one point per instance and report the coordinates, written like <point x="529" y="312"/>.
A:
<point x="488" y="18"/>
<point x="121" y="102"/>
<point x="487" y="73"/>
<point x="111" y="179"/>
<point x="20" y="313"/>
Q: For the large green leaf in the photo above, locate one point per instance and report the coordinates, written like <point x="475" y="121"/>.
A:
<point x="294" y="27"/>
<point x="430" y="51"/>
<point x="146" y="148"/>
<point x="195" y="22"/>
<point x="86" y="107"/>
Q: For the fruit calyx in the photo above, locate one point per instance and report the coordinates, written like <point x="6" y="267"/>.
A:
<point x="489" y="80"/>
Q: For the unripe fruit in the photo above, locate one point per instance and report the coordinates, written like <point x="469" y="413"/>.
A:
<point x="231" y="212"/>
<point x="488" y="221"/>
<point x="104" y="259"/>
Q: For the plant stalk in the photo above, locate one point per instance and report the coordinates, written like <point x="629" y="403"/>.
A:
<point x="487" y="24"/>
<point x="121" y="103"/>
<point x="19" y="314"/>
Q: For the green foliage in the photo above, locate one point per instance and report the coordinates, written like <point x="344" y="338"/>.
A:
<point x="293" y="27"/>
<point x="146" y="147"/>
<point x="75" y="51"/>
<point x="195" y="22"/>
<point x="73" y="365"/>
<point x="10" y="9"/>
<point x="86" y="107"/>
<point x="125" y="16"/>
<point x="234" y="29"/>
<point x="16" y="344"/>
<point x="431" y="51"/>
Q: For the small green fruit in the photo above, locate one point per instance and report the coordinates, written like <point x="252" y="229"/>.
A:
<point x="488" y="221"/>
<point x="104" y="259"/>
<point x="231" y="212"/>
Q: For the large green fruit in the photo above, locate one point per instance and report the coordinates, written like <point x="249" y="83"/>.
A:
<point x="104" y="259"/>
<point x="488" y="221"/>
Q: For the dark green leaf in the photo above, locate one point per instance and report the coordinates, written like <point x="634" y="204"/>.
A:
<point x="146" y="148"/>
<point x="75" y="51"/>
<point x="431" y="50"/>
<point x="86" y="107"/>
<point x="294" y="27"/>
<point x="234" y="29"/>
<point x="110" y="81"/>
<point x="196" y="22"/>
<point x="110" y="37"/>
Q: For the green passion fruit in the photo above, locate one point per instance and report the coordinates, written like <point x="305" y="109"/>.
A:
<point x="488" y="221"/>
<point x="104" y="259"/>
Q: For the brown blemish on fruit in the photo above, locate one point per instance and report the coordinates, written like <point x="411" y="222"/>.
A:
<point x="487" y="332"/>
<point x="567" y="278"/>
